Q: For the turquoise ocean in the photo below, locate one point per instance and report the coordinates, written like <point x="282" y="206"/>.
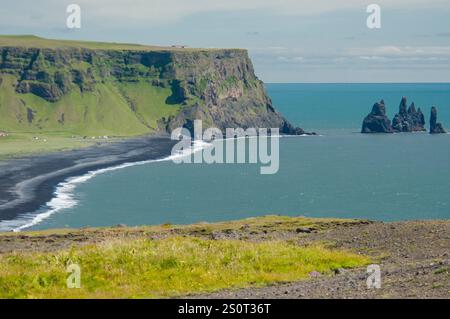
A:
<point x="340" y="173"/>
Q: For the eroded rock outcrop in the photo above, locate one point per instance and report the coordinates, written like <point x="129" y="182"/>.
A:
<point x="435" y="127"/>
<point x="377" y="121"/>
<point x="408" y="119"/>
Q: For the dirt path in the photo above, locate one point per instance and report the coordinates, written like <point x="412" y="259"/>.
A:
<point x="413" y="256"/>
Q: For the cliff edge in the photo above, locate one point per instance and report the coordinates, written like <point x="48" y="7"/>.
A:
<point x="91" y="88"/>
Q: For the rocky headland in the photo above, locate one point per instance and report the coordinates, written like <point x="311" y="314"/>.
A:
<point x="92" y="88"/>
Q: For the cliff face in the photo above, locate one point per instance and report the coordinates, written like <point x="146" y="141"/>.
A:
<point x="125" y="92"/>
<point x="225" y="91"/>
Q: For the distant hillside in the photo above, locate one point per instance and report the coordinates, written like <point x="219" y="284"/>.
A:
<point x="94" y="88"/>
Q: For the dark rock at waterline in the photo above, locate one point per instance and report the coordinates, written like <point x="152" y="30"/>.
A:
<point x="285" y="129"/>
<point x="377" y="121"/>
<point x="408" y="120"/>
<point x="289" y="129"/>
<point x="435" y="128"/>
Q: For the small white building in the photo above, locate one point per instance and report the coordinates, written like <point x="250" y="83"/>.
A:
<point x="3" y="134"/>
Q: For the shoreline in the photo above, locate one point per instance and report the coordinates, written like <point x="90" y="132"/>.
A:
<point x="29" y="183"/>
<point x="43" y="176"/>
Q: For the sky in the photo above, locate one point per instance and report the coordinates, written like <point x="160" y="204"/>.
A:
<point x="288" y="40"/>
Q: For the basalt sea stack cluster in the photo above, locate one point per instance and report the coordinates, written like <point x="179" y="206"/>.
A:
<point x="408" y="119"/>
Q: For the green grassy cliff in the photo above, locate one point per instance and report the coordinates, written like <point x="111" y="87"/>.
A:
<point x="91" y="88"/>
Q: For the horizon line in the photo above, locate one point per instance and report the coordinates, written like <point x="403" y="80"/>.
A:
<point x="431" y="82"/>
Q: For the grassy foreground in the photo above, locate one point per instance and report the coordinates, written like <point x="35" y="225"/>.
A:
<point x="163" y="262"/>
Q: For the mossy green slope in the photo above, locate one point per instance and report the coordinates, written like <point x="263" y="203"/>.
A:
<point x="105" y="110"/>
<point x="79" y="91"/>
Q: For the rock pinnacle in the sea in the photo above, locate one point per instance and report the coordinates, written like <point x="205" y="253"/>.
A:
<point x="435" y="128"/>
<point x="408" y="120"/>
<point x="377" y="121"/>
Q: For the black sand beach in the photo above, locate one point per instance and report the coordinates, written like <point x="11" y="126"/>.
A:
<point x="26" y="184"/>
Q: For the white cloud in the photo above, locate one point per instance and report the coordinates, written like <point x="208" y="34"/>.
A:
<point x="397" y="57"/>
<point x="295" y="59"/>
<point x="173" y="9"/>
<point x="400" y="51"/>
<point x="151" y="12"/>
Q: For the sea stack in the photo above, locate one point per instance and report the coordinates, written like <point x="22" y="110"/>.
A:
<point x="435" y="128"/>
<point x="377" y="121"/>
<point x="408" y="120"/>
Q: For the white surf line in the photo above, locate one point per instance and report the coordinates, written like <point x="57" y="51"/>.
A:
<point x="64" y="199"/>
<point x="264" y="136"/>
<point x="64" y="191"/>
